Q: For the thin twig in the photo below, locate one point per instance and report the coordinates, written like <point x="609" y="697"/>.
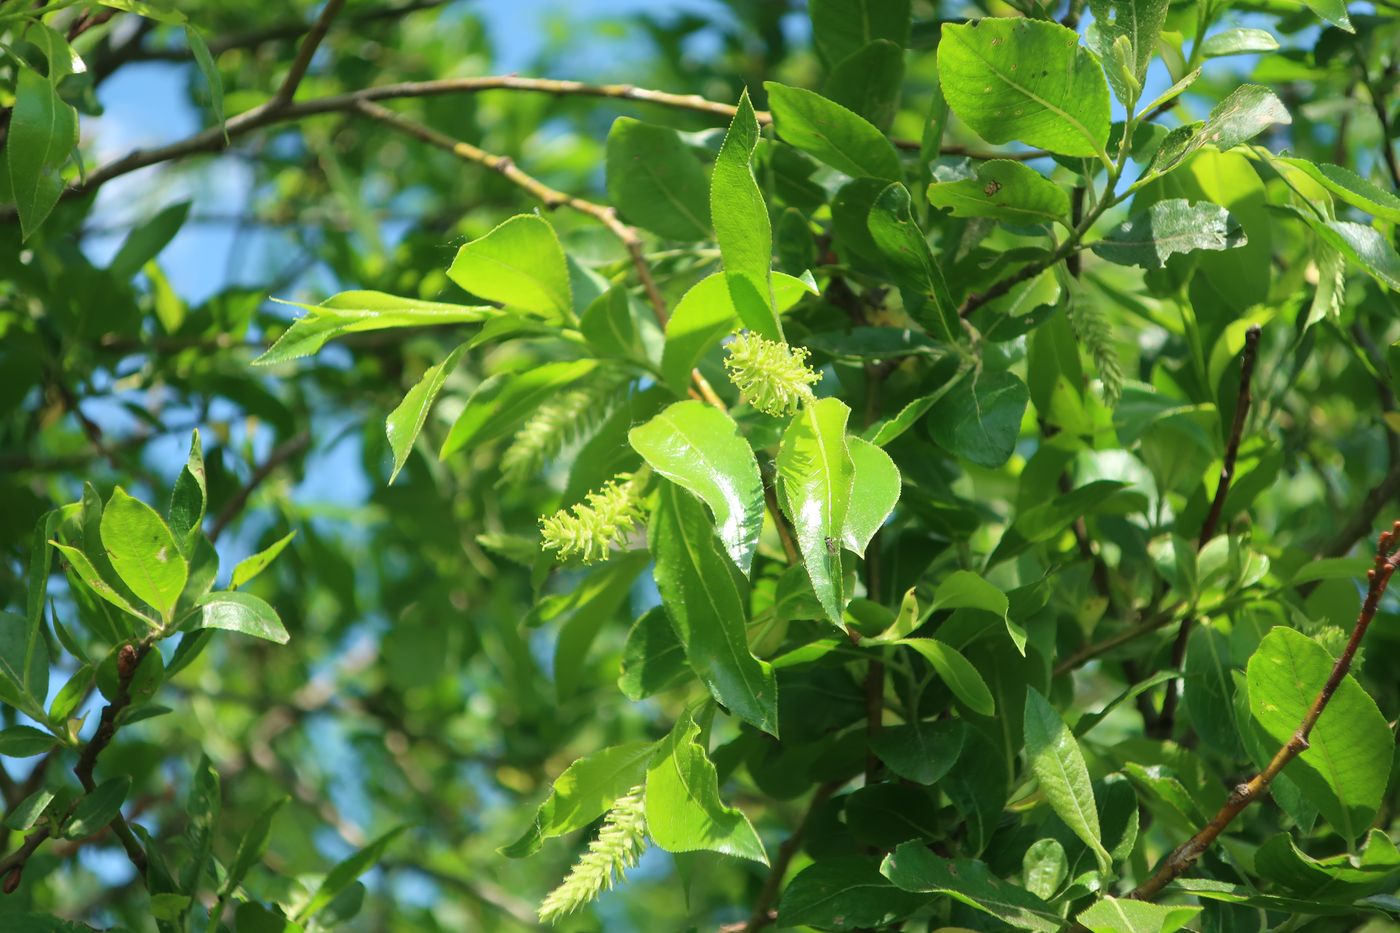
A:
<point x="762" y="914"/>
<point x="280" y="455"/>
<point x="306" y="52"/>
<point x="1176" y="864"/>
<point x="551" y="197"/>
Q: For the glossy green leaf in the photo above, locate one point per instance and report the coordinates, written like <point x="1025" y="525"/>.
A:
<point x="610" y="327"/>
<point x="868" y="81"/>
<point x="1245" y="113"/>
<point x="519" y="264"/>
<point x="252" y="847"/>
<point x="1363" y="245"/>
<point x="244" y="613"/>
<point x="1167" y="228"/>
<point x="980" y="418"/>
<point x="1350" y="187"/>
<point x="1044" y="868"/>
<point x="829" y="132"/>
<point x="585" y="791"/>
<point x="914" y="867"/>
<point x="146" y="241"/>
<point x="589" y="606"/>
<point x="846" y="893"/>
<point x="684" y="809"/>
<point x="42" y="132"/>
<point x="359" y="311"/>
<point x="1028" y="81"/>
<point x="653" y="658"/>
<point x="95" y="810"/>
<point x="1004" y="190"/>
<point x="406" y="421"/>
<point x="1347" y="765"/>
<point x="957" y="672"/>
<point x="702" y="598"/>
<point x="210" y="71"/>
<point x="189" y="498"/>
<point x="89" y="575"/>
<point x="875" y="489"/>
<point x="143" y="552"/>
<point x="906" y="252"/>
<point x="705" y="315"/>
<point x="344" y="874"/>
<point x="816" y="473"/>
<point x="1136" y="22"/>
<point x="1340" y="879"/>
<point x="922" y="752"/>
<point x="1239" y="41"/>
<point x="740" y="216"/>
<point x="1332" y="11"/>
<point x="500" y="403"/>
<point x="842" y="27"/>
<point x="698" y="447"/>
<point x="1058" y="765"/>
<point x="656" y="182"/>
<point x="250" y="567"/>
<point x="25" y="742"/>
<point x="62" y="59"/>
<point x="27" y="812"/>
<point x="1125" y="915"/>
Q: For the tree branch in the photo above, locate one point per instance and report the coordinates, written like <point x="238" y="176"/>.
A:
<point x="280" y="455"/>
<point x="306" y="52"/>
<point x="1387" y="559"/>
<point x="763" y="914"/>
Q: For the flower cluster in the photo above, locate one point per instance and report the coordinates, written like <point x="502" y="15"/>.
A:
<point x="773" y="377"/>
<point x="590" y="528"/>
<point x="617" y="847"/>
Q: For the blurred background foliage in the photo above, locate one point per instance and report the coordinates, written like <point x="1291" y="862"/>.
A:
<point x="411" y="693"/>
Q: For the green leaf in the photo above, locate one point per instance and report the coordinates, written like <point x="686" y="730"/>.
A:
<point x="923" y="751"/>
<point x="585" y="791"/>
<point x="1028" y="81"/>
<point x="202" y="813"/>
<point x="25" y="742"/>
<point x="43" y="131"/>
<point x="1363" y="245"/>
<point x="1239" y="41"/>
<point x="343" y="874"/>
<point x="210" y="70"/>
<point x="845" y="893"/>
<point x="1004" y="190"/>
<point x="189" y="498"/>
<point x="1207" y="692"/>
<point x="1346" y="767"/>
<point x="250" y="567"/>
<point x="868" y="81"/>
<point x="705" y="315"/>
<point x="684" y="809"/>
<point x="146" y="241"/>
<point x="1332" y="11"/>
<point x="242" y="612"/>
<point x="815" y="472"/>
<point x="1058" y="765"/>
<point x="162" y="11"/>
<point x="519" y="264"/>
<point x="1169" y="227"/>
<point x="500" y="403"/>
<point x="63" y="61"/>
<point x="957" y="672"/>
<point x="875" y="486"/>
<point x="143" y="552"/>
<point x="980" y="418"/>
<point x="593" y="603"/>
<point x="89" y="575"/>
<point x="97" y="809"/>
<point x="1139" y="22"/>
<point x="1341" y="879"/>
<point x="920" y="280"/>
<point x="252" y="847"/>
<point x="742" y="227"/>
<point x="610" y="327"/>
<point x="1125" y="915"/>
<point x="359" y="311"/>
<point x="656" y="182"/>
<point x="24" y="664"/>
<point x="699" y="448"/>
<point x="704" y="603"/>
<point x="653" y="658"/>
<point x="1245" y="113"/>
<point x="841" y="27"/>
<point x="874" y="343"/>
<point x="824" y="129"/>
<point x="1350" y="187"/>
<point x="1044" y="868"/>
<point x="914" y="867"/>
<point x="406" y="421"/>
<point x="27" y="812"/>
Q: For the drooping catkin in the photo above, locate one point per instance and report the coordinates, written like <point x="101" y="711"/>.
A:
<point x="772" y="376"/>
<point x="1094" y="331"/>
<point x="617" y="847"/>
<point x="590" y="529"/>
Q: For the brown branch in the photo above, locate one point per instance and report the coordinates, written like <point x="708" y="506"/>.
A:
<point x="1176" y="864"/>
<point x="763" y="914"/>
<point x="1090" y="652"/>
<point x="551" y="197"/>
<point x="306" y="52"/>
<point x="1166" y="720"/>
<point x="280" y="455"/>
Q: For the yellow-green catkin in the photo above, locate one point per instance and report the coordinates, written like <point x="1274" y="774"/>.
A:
<point x="618" y="846"/>
<point x="590" y="529"/>
<point x="772" y="376"/>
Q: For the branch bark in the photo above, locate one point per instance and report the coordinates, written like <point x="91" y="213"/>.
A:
<point x="280" y="455"/>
